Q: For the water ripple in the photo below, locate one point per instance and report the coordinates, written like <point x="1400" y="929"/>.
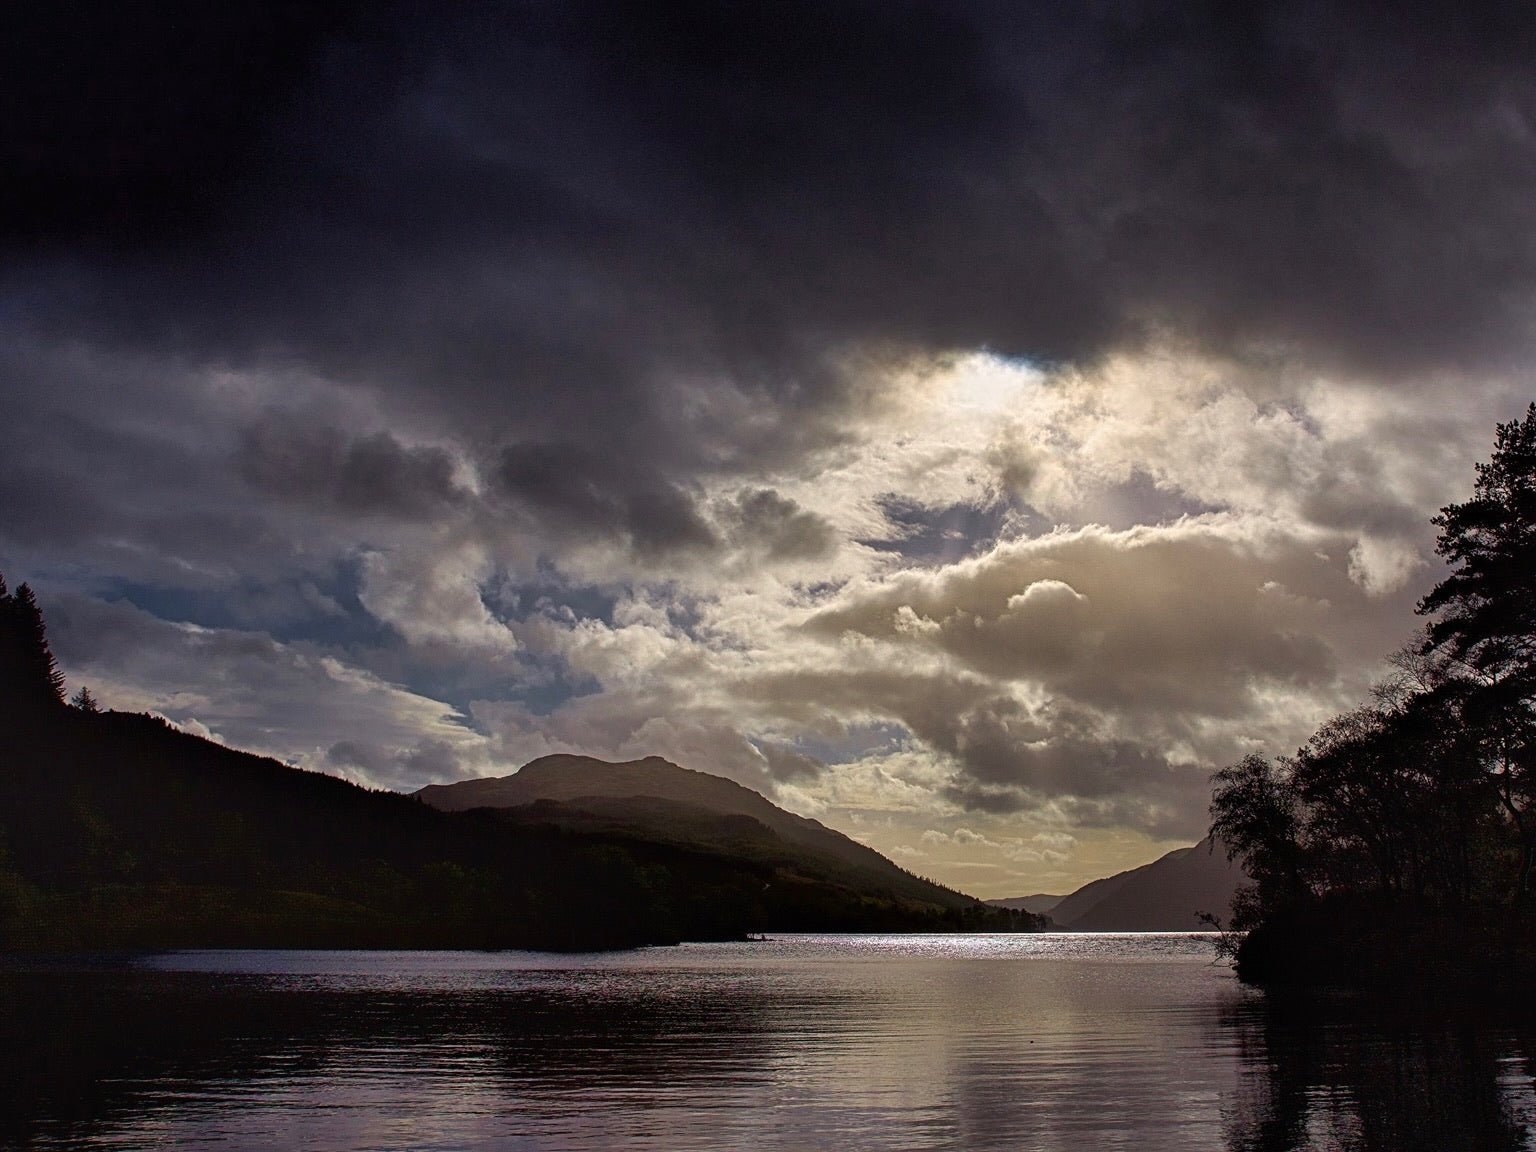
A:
<point x="968" y="1042"/>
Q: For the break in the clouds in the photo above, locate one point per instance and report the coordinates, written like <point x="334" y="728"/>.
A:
<point x="971" y="424"/>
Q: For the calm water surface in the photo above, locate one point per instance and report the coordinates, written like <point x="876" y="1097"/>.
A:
<point x="842" y="1042"/>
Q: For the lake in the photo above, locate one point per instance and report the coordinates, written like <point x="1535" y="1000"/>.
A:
<point x="804" y="1042"/>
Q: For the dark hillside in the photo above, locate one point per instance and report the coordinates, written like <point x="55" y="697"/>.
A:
<point x="658" y="799"/>
<point x="1166" y="895"/>
<point x="122" y="831"/>
<point x="119" y="831"/>
<point x="1074" y="904"/>
<point x="1040" y="903"/>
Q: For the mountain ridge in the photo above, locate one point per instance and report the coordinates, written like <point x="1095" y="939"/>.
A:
<point x="1165" y="895"/>
<point x="120" y="832"/>
<point x="623" y="793"/>
<point x="1039" y="903"/>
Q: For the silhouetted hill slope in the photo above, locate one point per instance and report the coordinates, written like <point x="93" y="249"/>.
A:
<point x="1163" y="896"/>
<point x="118" y="831"/>
<point x="1040" y="903"/>
<point x="1076" y="903"/>
<point x="658" y="799"/>
<point x="122" y="832"/>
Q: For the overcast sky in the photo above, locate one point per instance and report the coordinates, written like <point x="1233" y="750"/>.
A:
<point x="970" y="425"/>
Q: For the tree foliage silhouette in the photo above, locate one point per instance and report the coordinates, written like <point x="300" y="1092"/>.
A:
<point x="1483" y="617"/>
<point x="29" y="675"/>
<point x="1483" y="613"/>
<point x="1421" y="803"/>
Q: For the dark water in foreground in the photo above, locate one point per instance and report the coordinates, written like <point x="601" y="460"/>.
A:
<point x="846" y="1043"/>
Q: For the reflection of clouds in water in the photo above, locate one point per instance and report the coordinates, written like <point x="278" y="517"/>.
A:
<point x="1044" y="1042"/>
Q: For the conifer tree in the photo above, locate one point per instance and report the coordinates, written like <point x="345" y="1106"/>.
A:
<point x="29" y="676"/>
<point x="1483" y="617"/>
<point x="10" y="651"/>
<point x="84" y="701"/>
<point x="1484" y="612"/>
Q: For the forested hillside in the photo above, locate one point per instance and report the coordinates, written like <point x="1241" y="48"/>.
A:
<point x="119" y="831"/>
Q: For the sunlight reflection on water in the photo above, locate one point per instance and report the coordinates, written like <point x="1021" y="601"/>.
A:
<point x="857" y="1042"/>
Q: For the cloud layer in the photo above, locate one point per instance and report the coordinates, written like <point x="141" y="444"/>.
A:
<point x="945" y="417"/>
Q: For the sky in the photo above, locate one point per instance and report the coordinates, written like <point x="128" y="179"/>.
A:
<point x="970" y="425"/>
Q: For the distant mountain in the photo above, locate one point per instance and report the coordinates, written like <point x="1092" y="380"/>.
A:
<point x="1163" y="896"/>
<point x="567" y="778"/>
<point x="1040" y="903"/>
<point x="1079" y="902"/>
<point x="655" y="799"/>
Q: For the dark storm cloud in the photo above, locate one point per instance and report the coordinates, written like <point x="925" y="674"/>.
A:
<point x="479" y="302"/>
<point x="113" y="467"/>
<point x="787" y="764"/>
<point x="1010" y="761"/>
<point x="780" y="527"/>
<point x="658" y="230"/>
<point x="126" y="125"/>
<point x="1003" y="757"/>
<point x="48" y="506"/>
<point x="292" y="458"/>
<point x="576" y="492"/>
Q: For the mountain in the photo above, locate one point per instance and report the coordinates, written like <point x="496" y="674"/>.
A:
<point x="120" y="832"/>
<point x="1167" y="894"/>
<point x="658" y="800"/>
<point x="1040" y="903"/>
<point x="1163" y="896"/>
<point x="1080" y="901"/>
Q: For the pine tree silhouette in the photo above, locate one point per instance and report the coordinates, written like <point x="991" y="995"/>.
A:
<point x="10" y="650"/>
<point x="30" y="679"/>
